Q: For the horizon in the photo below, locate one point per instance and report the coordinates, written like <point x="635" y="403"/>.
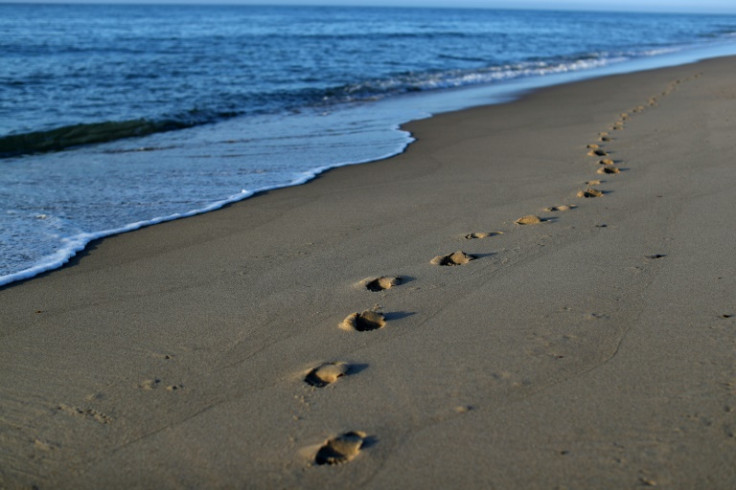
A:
<point x="632" y="6"/>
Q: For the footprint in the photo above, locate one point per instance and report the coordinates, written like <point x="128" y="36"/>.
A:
<point x="593" y="146"/>
<point x="598" y="152"/>
<point x="457" y="258"/>
<point x="529" y="219"/>
<point x="563" y="207"/>
<point x="607" y="161"/>
<point x="656" y="256"/>
<point x="382" y="283"/>
<point x="608" y="169"/>
<point x="618" y="126"/>
<point x="149" y="384"/>
<point x="340" y="449"/>
<point x="363" y="322"/>
<point x="88" y="413"/>
<point x="482" y="234"/>
<point x="327" y="373"/>
<point x="165" y="357"/>
<point x="593" y="182"/>
<point x="604" y="138"/>
<point x="590" y="192"/>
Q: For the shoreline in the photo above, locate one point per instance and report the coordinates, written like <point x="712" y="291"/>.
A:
<point x="594" y="347"/>
<point x="438" y="104"/>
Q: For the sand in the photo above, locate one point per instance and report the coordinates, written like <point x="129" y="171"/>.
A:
<point x="593" y="349"/>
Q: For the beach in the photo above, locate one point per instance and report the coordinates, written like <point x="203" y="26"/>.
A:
<point x="592" y="347"/>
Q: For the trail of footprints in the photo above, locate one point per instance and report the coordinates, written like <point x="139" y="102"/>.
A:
<point x="345" y="447"/>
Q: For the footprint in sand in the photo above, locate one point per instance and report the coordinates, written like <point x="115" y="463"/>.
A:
<point x="608" y="169"/>
<point x="597" y="152"/>
<point x="593" y="182"/>
<point x="482" y="234"/>
<point x="149" y="384"/>
<point x="89" y="413"/>
<point x="326" y="374"/>
<point x="529" y="219"/>
<point x="607" y="161"/>
<point x="155" y="383"/>
<point x="618" y="126"/>
<point x="563" y="207"/>
<point x="457" y="258"/>
<point x="590" y="192"/>
<point x="593" y="146"/>
<point x="381" y="283"/>
<point x="340" y="449"/>
<point x="364" y="322"/>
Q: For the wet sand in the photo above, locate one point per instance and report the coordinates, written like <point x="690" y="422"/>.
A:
<point x="537" y="294"/>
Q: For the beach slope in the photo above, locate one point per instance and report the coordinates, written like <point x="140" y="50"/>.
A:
<point x="537" y="294"/>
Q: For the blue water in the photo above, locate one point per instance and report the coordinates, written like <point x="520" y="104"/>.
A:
<point x="113" y="117"/>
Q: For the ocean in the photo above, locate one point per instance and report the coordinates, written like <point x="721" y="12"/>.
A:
<point x="115" y="117"/>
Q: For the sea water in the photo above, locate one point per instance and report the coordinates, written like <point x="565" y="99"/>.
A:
<point x="116" y="117"/>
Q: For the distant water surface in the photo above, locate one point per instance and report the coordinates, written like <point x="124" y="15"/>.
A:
<point x="114" y="117"/>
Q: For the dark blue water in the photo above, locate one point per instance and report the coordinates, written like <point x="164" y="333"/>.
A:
<point x="201" y="105"/>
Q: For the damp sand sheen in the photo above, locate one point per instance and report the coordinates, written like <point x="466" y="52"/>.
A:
<point x="450" y="317"/>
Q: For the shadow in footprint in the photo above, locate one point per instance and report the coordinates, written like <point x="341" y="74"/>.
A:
<point x="364" y="322"/>
<point x="326" y="374"/>
<point x="561" y="207"/>
<point x="330" y="372"/>
<point x="341" y="449"/>
<point x="534" y="220"/>
<point x="384" y="282"/>
<point x="457" y="258"/>
<point x="591" y="192"/>
<point x="482" y="234"/>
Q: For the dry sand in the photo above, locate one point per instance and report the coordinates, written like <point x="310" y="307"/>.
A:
<point x="593" y="349"/>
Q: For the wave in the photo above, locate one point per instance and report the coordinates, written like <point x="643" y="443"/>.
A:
<point x="417" y="82"/>
<point x="82" y="134"/>
<point x="303" y="98"/>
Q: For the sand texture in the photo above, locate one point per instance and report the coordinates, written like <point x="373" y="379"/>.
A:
<point x="593" y="348"/>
